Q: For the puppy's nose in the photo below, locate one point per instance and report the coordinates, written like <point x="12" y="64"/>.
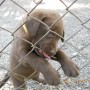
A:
<point x="53" y="52"/>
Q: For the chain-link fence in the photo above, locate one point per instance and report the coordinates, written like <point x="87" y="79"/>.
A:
<point x="76" y="18"/>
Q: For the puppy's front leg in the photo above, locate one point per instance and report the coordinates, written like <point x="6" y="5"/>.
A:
<point x="40" y="64"/>
<point x="69" y="68"/>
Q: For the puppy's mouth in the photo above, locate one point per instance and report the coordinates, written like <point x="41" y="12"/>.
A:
<point x="42" y="54"/>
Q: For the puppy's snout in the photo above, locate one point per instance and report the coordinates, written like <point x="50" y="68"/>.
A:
<point x="53" y="52"/>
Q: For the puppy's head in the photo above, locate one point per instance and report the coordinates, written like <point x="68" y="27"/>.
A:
<point x="36" y="30"/>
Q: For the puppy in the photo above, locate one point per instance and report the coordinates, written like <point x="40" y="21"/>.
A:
<point x="27" y="62"/>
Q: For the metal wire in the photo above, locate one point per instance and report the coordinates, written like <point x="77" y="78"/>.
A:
<point x="67" y="82"/>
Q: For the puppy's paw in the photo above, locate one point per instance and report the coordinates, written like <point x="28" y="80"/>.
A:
<point x="42" y="80"/>
<point x="50" y="79"/>
<point x="53" y="79"/>
<point x="70" y="69"/>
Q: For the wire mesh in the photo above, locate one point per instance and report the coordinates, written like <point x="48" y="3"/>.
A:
<point x="76" y="17"/>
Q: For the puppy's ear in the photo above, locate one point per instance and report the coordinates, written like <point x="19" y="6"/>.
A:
<point x="32" y="24"/>
<point x="62" y="39"/>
